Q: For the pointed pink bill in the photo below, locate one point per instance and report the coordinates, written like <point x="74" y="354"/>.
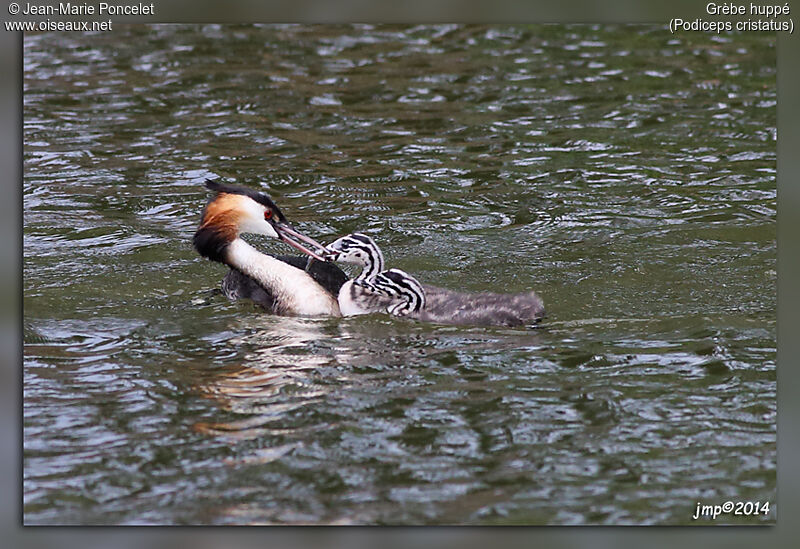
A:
<point x="287" y="234"/>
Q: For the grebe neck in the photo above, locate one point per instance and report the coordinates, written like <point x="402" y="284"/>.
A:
<point x="373" y="264"/>
<point x="293" y="288"/>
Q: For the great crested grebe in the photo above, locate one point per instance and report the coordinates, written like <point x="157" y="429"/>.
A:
<point x="401" y="294"/>
<point x="281" y="284"/>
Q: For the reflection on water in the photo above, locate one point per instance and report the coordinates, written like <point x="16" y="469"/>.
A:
<point x="275" y="377"/>
<point x="625" y="174"/>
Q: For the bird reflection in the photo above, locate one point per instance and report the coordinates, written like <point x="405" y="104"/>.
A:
<point x="274" y="378"/>
<point x="295" y="362"/>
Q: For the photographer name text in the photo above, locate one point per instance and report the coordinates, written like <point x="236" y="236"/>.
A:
<point x="103" y="8"/>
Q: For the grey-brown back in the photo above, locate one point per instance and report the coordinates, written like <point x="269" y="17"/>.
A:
<point x="481" y="309"/>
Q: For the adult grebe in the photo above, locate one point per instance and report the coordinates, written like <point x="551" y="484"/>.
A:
<point x="284" y="284"/>
<point x="405" y="296"/>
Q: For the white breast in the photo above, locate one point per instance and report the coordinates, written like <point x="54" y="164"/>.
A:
<point x="347" y="306"/>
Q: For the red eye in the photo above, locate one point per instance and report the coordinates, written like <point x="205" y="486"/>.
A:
<point x="268" y="215"/>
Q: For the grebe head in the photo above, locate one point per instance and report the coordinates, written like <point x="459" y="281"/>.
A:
<point x="358" y="249"/>
<point x="401" y="285"/>
<point x="235" y="210"/>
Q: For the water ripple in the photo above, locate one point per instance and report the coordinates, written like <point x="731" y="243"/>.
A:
<point x="628" y="179"/>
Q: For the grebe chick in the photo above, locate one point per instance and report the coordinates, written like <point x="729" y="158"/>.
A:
<point x="358" y="296"/>
<point x="437" y="304"/>
<point x="283" y="285"/>
<point x="432" y="304"/>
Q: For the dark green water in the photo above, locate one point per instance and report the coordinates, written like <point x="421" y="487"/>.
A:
<point x="626" y="174"/>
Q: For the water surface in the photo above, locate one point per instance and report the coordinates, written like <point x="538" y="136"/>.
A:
<point x="626" y="174"/>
